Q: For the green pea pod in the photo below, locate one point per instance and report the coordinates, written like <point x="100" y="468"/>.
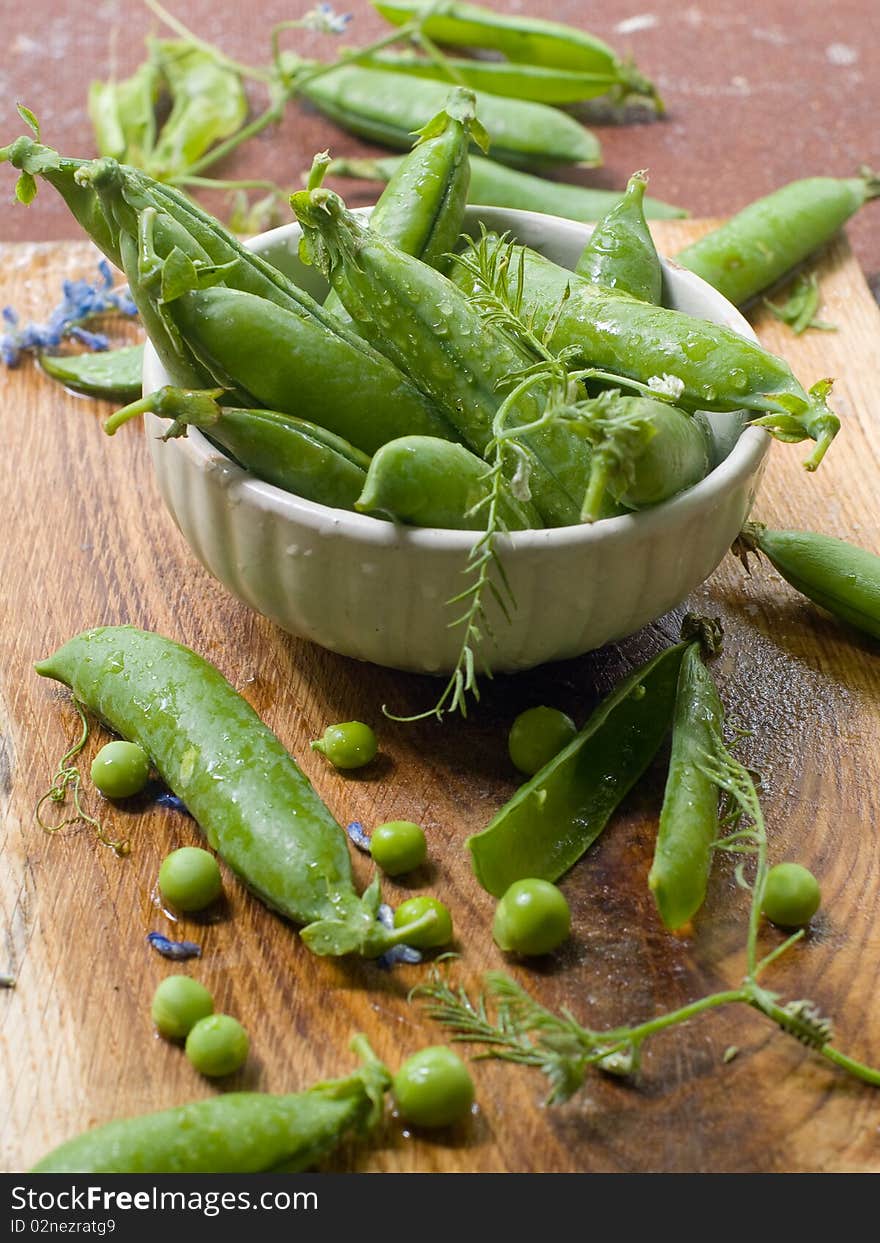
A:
<point x="757" y="246"/>
<point x="123" y="115"/>
<point x="389" y="107"/>
<point x="290" y="363"/>
<point x="421" y="210"/>
<point x="494" y="185"/>
<point x="432" y="483"/>
<point x="243" y="342"/>
<point x="114" y="375"/>
<point x="836" y="575"/>
<point x="559" y="813"/>
<point x="523" y="39"/>
<point x="539" y="83"/>
<point x="253" y="803"/>
<point x="432" y="332"/>
<point x="180" y="363"/>
<point x="621" y="253"/>
<point x="290" y="453"/>
<point x="689" y="821"/>
<point x="706" y="365"/>
<point x="208" y="104"/>
<point x="644" y="451"/>
<point x="236" y="1133"/>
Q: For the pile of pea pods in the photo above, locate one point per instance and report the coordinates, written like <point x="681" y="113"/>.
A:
<point x="392" y="397"/>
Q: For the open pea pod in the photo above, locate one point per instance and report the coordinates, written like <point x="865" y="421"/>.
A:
<point x="559" y="813"/>
<point x="112" y="374"/>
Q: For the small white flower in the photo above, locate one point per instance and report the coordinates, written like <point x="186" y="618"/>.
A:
<point x="324" y="19"/>
<point x="668" y="385"/>
<point x="519" y="484"/>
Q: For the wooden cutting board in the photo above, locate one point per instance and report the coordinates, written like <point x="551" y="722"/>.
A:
<point x="87" y="542"/>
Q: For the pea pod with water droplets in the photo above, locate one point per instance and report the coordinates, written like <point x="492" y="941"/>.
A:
<point x="838" y="576"/>
<point x="711" y="367"/>
<point x="432" y="483"/>
<point x="256" y="807"/>
<point x="421" y="210"/>
<point x="621" y="253"/>
<point x="432" y="332"/>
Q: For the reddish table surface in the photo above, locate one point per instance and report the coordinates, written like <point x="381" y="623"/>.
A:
<point x="759" y="92"/>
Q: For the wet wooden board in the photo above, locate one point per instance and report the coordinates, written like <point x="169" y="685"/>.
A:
<point x="87" y="541"/>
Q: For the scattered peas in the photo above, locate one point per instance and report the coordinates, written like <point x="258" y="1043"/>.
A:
<point x="791" y="895"/>
<point x="532" y="918"/>
<point x="432" y="935"/>
<point x="536" y="736"/>
<point x="433" y="1088"/>
<point x="217" y="1045"/>
<point x="350" y="744"/>
<point x="120" y="769"/>
<point x="398" y="847"/>
<point x="190" y="879"/>
<point x="178" y="1004"/>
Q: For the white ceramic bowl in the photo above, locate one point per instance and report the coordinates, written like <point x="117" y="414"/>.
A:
<point x="377" y="592"/>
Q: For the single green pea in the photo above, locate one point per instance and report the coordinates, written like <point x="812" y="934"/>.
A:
<point x="120" y="769"/>
<point x="398" y="847"/>
<point x="217" y="1045"/>
<point x="536" y="736"/>
<point x="437" y="933"/>
<point x="350" y="744"/>
<point x="178" y="1004"/>
<point x="533" y="917"/>
<point x="433" y="1088"/>
<point x="791" y="895"/>
<point x="189" y="879"/>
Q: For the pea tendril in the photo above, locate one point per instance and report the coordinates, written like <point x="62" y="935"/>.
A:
<point x="511" y="1026"/>
<point x="67" y="783"/>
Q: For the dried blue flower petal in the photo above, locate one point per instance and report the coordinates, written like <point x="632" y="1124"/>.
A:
<point x="385" y="916"/>
<point x="96" y="341"/>
<point x="81" y="301"/>
<point x="167" y="799"/>
<point x="399" y="953"/>
<point x="178" y="950"/>
<point x="358" y="835"/>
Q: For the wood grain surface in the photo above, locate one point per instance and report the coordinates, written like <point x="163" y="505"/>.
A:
<point x="87" y="542"/>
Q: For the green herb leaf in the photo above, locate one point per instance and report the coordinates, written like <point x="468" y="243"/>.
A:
<point x="26" y="188"/>
<point x="29" y="119"/>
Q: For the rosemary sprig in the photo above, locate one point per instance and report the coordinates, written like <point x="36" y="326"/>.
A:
<point x="511" y="1026"/>
<point x="488" y="576"/>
